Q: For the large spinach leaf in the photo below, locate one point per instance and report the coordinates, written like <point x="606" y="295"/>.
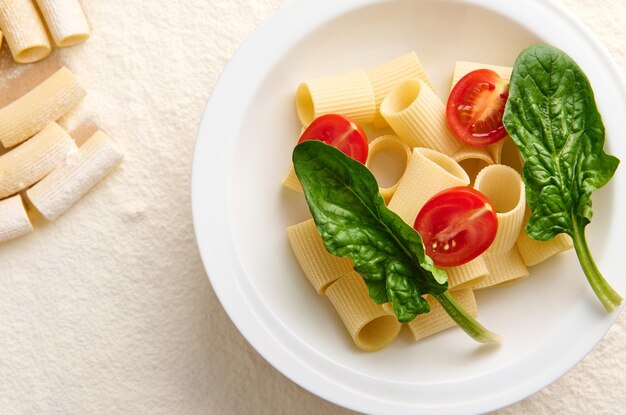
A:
<point x="552" y="116"/>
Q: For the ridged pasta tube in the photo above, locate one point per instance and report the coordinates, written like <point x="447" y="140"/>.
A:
<point x="14" y="221"/>
<point x="504" y="269"/>
<point x="437" y="319"/>
<point x="429" y="172"/>
<point x="370" y="325"/>
<point x="23" y="30"/>
<point x="45" y="103"/>
<point x="33" y="160"/>
<point x="65" y="20"/>
<point x="533" y="252"/>
<point x="472" y="160"/>
<point x="462" y="68"/>
<point x="504" y="187"/>
<point x="72" y="179"/>
<point x="319" y="266"/>
<point x="418" y="117"/>
<point x="391" y="73"/>
<point x="387" y="150"/>
<point x="347" y="93"/>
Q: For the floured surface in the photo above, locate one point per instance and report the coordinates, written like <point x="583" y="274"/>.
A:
<point x="108" y="309"/>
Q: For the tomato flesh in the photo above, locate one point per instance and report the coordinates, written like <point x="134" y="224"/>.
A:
<point x="475" y="108"/>
<point x="456" y="225"/>
<point x="341" y="133"/>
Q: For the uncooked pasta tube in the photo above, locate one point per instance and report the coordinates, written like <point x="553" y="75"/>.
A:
<point x="23" y="30"/>
<point x="73" y="178"/>
<point x="428" y="172"/>
<point x="534" y="252"/>
<point x="418" y="117"/>
<point x="320" y="267"/>
<point x="504" y="269"/>
<point x="371" y="326"/>
<point x="389" y="74"/>
<point x="33" y="160"/>
<point x="65" y="20"/>
<point x="462" y="68"/>
<point x="47" y="102"/>
<point x="14" y="221"/>
<point x="349" y="94"/>
<point x="472" y="159"/>
<point x="389" y="153"/>
<point x="438" y="319"/>
<point x="504" y="187"/>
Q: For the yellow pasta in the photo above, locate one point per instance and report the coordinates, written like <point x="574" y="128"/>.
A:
<point x="472" y="159"/>
<point x="389" y="74"/>
<point x="320" y="267"/>
<point x="290" y="181"/>
<point x="437" y="319"/>
<point x="65" y="20"/>
<point x="462" y="68"/>
<point x="504" y="269"/>
<point x="533" y="252"/>
<point x="60" y="189"/>
<point x="348" y="93"/>
<point x="506" y="152"/>
<point x="418" y="117"/>
<point x="14" y="221"/>
<point x="392" y="153"/>
<point x="428" y="172"/>
<point x="467" y="275"/>
<point x="33" y="160"/>
<point x="24" y="31"/>
<point x="47" y="102"/>
<point x="369" y="324"/>
<point x="503" y="186"/>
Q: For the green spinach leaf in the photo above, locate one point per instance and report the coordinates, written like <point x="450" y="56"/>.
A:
<point x="552" y="116"/>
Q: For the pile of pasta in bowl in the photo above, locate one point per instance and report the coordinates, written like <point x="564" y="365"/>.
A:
<point x="411" y="133"/>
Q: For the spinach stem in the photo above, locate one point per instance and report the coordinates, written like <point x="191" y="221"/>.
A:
<point x="608" y="296"/>
<point x="468" y="323"/>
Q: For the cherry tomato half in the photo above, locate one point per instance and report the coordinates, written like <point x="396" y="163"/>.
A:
<point x="341" y="133"/>
<point x="475" y="108"/>
<point x="456" y="225"/>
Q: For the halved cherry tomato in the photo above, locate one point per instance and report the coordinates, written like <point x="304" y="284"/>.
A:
<point x="475" y="107"/>
<point x="456" y="225"/>
<point x="341" y="133"/>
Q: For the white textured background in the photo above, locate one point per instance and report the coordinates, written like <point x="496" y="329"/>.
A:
<point x="109" y="311"/>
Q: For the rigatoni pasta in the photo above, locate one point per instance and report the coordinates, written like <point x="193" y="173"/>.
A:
<point x="73" y="178"/>
<point x="320" y="267"/>
<point x="397" y="153"/>
<point x="14" y="221"/>
<point x="65" y="20"/>
<point x="534" y="252"/>
<point x="437" y="319"/>
<point x="389" y="74"/>
<point x="418" y="117"/>
<point x="348" y="93"/>
<point x="430" y="172"/>
<point x="369" y="324"/>
<point x="45" y="103"/>
<point x="23" y="30"/>
<point x="33" y="160"/>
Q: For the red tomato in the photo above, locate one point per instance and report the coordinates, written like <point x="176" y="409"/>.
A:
<point x="341" y="133"/>
<point x="456" y="225"/>
<point x="475" y="107"/>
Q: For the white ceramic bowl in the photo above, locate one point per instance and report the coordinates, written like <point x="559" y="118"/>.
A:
<point x="548" y="322"/>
